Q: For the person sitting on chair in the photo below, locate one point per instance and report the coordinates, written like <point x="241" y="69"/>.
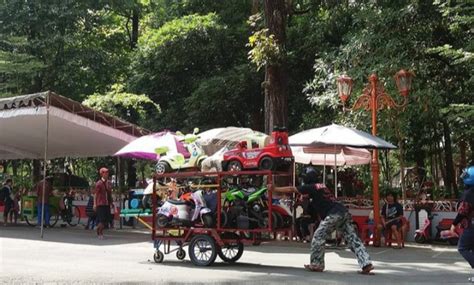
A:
<point x="392" y="214"/>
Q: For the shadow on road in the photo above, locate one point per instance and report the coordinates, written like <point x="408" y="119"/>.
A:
<point x="74" y="235"/>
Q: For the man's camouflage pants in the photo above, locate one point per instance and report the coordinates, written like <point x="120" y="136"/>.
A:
<point x="343" y="223"/>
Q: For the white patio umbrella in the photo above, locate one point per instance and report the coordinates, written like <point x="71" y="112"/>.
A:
<point x="333" y="136"/>
<point x="338" y="135"/>
<point x="321" y="155"/>
<point x="215" y="139"/>
<point x="144" y="147"/>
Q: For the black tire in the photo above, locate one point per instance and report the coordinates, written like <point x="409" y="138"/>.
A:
<point x="224" y="219"/>
<point x="199" y="163"/>
<point x="420" y="238"/>
<point x="162" y="221"/>
<point x="158" y="256"/>
<point x="279" y="220"/>
<point x="453" y="241"/>
<point x="163" y="167"/>
<point x="31" y="223"/>
<point x="202" y="250"/>
<point x="231" y="252"/>
<point x="181" y="254"/>
<point x="54" y="216"/>
<point x="266" y="163"/>
<point x="234" y="165"/>
<point x="75" y="219"/>
<point x="208" y="220"/>
<point x="264" y="221"/>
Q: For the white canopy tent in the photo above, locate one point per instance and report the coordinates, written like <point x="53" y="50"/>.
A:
<point x="46" y="125"/>
<point x="71" y="128"/>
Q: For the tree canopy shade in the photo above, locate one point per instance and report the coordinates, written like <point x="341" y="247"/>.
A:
<point x="191" y="58"/>
<point x="74" y="130"/>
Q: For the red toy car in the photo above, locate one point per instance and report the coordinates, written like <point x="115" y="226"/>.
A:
<point x="276" y="155"/>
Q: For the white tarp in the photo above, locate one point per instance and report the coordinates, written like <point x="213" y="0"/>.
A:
<point x="23" y="133"/>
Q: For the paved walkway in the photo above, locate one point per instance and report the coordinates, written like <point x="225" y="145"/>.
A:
<point x="74" y="255"/>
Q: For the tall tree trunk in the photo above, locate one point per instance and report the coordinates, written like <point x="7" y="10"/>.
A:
<point x="135" y="23"/>
<point x="441" y="168"/>
<point x="450" y="182"/>
<point x="463" y="154"/>
<point x="256" y="122"/>
<point x="15" y="167"/>
<point x="401" y="148"/>
<point x="36" y="170"/>
<point x="471" y="157"/>
<point x="131" y="173"/>
<point x="276" y="76"/>
<point x="255" y="6"/>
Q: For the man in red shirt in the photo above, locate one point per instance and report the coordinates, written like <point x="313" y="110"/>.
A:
<point x="102" y="201"/>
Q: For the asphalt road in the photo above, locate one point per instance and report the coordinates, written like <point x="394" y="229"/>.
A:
<point x="76" y="256"/>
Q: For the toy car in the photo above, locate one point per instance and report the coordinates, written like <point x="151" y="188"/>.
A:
<point x="276" y="155"/>
<point x="193" y="158"/>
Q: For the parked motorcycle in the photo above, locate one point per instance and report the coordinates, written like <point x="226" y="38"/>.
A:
<point x="247" y="207"/>
<point x="423" y="235"/>
<point x="190" y="210"/>
<point x="443" y="233"/>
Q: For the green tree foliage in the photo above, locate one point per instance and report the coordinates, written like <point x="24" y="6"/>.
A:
<point x="431" y="38"/>
<point x="17" y="68"/>
<point x="182" y="58"/>
<point x="79" y="44"/>
<point x="191" y="58"/>
<point x="138" y="109"/>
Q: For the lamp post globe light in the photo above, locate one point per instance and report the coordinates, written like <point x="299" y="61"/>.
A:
<point x="374" y="98"/>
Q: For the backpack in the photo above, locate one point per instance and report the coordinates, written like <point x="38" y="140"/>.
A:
<point x="90" y="207"/>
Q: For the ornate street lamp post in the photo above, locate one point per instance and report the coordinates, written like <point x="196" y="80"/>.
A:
<point x="373" y="99"/>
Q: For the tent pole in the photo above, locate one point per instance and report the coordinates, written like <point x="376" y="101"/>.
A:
<point x="294" y="173"/>
<point x="335" y="171"/>
<point x="324" y="170"/>
<point x="44" y="163"/>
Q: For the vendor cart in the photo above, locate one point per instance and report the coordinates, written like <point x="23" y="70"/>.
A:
<point x="224" y="239"/>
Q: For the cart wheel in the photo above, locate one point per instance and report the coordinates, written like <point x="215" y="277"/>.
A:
<point x="158" y="256"/>
<point x="181" y="254"/>
<point x="202" y="250"/>
<point x="232" y="251"/>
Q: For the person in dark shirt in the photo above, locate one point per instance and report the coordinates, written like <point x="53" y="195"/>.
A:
<point x="7" y="193"/>
<point x="334" y="216"/>
<point x="303" y="222"/>
<point x="391" y="214"/>
<point x="465" y="217"/>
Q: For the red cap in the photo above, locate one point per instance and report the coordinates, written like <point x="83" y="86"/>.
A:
<point x="103" y="170"/>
